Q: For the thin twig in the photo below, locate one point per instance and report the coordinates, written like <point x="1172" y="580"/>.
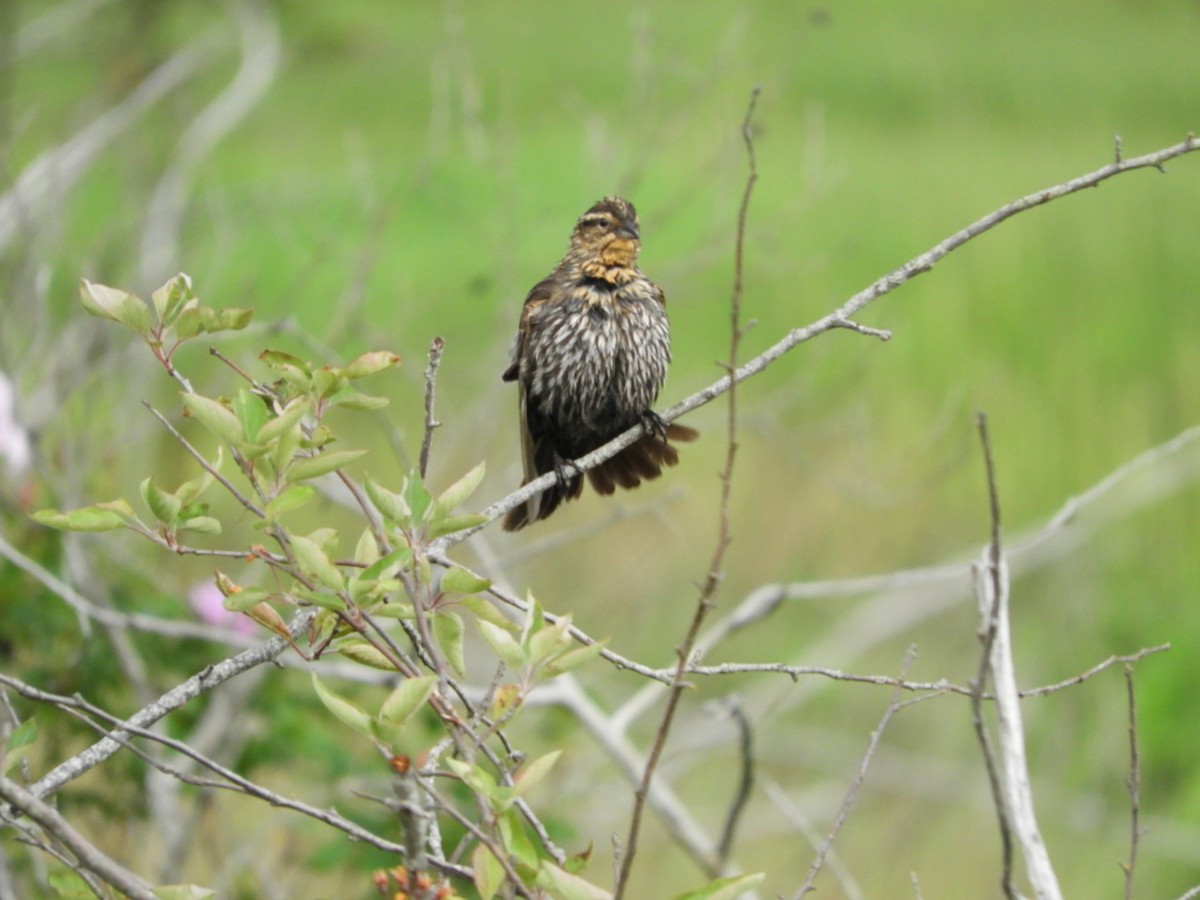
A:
<point x="1016" y="801"/>
<point x="205" y="464"/>
<point x="989" y="601"/>
<point x="87" y="855"/>
<point x="745" y="784"/>
<point x="716" y="564"/>
<point x="839" y="318"/>
<point x="203" y="681"/>
<point x="843" y="813"/>
<point x="436" y="346"/>
<point x="1134" y="784"/>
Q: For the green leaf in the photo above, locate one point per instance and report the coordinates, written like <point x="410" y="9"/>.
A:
<point x="19" y="742"/>
<point x="171" y="297"/>
<point x="292" y="415"/>
<point x="366" y="551"/>
<point x="416" y="496"/>
<point x="119" y="306"/>
<point x="573" y="659"/>
<point x="535" y="620"/>
<point x="486" y="610"/>
<point x="453" y="496"/>
<point x="534" y="772"/>
<point x="234" y="319"/>
<point x="293" y="369"/>
<point x="360" y="650"/>
<point x="486" y="872"/>
<point x="481" y="782"/>
<point x="370" y="363"/>
<point x="251" y="411"/>
<point x="216" y="417"/>
<point x="517" y="840"/>
<point x="390" y="505"/>
<point x="199" y="525"/>
<point x="564" y="886"/>
<point x="327" y="381"/>
<point x="323" y="599"/>
<point x="265" y="615"/>
<point x="460" y="581"/>
<point x="242" y="599"/>
<point x="321" y="464"/>
<point x="409" y="696"/>
<point x="451" y="524"/>
<point x="313" y="561"/>
<point x="69" y="885"/>
<point x="286" y="447"/>
<point x="350" y="713"/>
<point x="292" y="497"/>
<point x="365" y="592"/>
<point x="166" y="507"/>
<point x="197" y="319"/>
<point x="548" y="644"/>
<point x="448" y="632"/>
<point x="349" y="398"/>
<point x="24" y="734"/>
<point x="87" y="518"/>
<point x="725" y="888"/>
<point x="504" y="644"/>
<point x="189" y="491"/>
<point x="395" y="609"/>
<point x="381" y="568"/>
<point x="183" y="892"/>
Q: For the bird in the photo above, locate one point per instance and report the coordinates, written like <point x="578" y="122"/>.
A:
<point x="590" y="355"/>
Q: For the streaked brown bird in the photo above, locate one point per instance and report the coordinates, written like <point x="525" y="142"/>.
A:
<point x="591" y="353"/>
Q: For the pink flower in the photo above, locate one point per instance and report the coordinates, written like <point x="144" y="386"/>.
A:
<point x="209" y="605"/>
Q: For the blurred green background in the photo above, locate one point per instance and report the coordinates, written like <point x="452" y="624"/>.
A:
<point x="408" y="169"/>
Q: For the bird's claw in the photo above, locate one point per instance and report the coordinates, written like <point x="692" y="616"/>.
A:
<point x="564" y="471"/>
<point x="655" y="424"/>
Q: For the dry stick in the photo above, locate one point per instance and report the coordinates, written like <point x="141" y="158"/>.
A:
<point x="745" y="784"/>
<point x="843" y="813"/>
<point x="1012" y="770"/>
<point x="88" y="713"/>
<point x="86" y="853"/>
<point x="1134" y="784"/>
<point x="436" y="346"/>
<point x="988" y="601"/>
<point x="204" y="680"/>
<point x="715" y="568"/>
<point x="842" y="317"/>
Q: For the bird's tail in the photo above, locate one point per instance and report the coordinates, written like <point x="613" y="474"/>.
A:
<point x="642" y="460"/>
<point x="539" y="506"/>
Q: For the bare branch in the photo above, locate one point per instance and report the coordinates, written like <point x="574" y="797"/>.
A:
<point x="203" y="681"/>
<point x="839" y="318"/>
<point x="262" y="52"/>
<point x="1011" y="770"/>
<point x="843" y="813"/>
<point x="1134" y="785"/>
<point x="716" y="564"/>
<point x="745" y="784"/>
<point x="436" y="346"/>
<point x="86" y="853"/>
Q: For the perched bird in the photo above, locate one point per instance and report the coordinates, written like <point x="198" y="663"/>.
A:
<point x="590" y="355"/>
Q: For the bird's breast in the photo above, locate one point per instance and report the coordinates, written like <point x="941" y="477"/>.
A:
<point x="598" y="358"/>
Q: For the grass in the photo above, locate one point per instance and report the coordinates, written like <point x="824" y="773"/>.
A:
<point x="416" y="167"/>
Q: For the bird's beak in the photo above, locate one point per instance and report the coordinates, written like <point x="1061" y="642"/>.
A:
<point x="629" y="230"/>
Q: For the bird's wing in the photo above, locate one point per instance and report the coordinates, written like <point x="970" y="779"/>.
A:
<point x="541" y="292"/>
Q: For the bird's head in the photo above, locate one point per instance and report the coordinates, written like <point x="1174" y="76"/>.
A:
<point x="608" y="231"/>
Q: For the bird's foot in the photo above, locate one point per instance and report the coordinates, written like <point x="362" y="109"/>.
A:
<point x="566" y="471"/>
<point x="655" y="424"/>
